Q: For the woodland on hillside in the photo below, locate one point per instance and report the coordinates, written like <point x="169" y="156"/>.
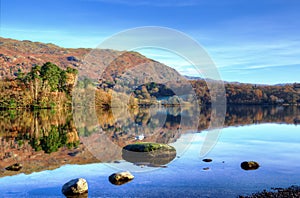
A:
<point x="46" y="86"/>
<point x="49" y="86"/>
<point x="251" y="94"/>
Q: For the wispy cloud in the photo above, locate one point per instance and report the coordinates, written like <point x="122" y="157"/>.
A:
<point x="154" y="3"/>
<point x="260" y="55"/>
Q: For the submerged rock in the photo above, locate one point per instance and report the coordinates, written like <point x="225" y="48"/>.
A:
<point x="154" y="154"/>
<point x="251" y="165"/>
<point x="120" y="178"/>
<point x="14" y="167"/>
<point x="207" y="160"/>
<point x="75" y="187"/>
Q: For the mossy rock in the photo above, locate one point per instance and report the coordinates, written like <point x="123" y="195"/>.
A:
<point x="148" y="147"/>
<point x="251" y="165"/>
<point x="154" y="154"/>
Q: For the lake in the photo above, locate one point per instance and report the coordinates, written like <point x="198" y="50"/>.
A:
<point x="57" y="146"/>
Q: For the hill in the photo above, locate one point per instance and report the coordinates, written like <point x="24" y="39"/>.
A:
<point x="124" y="72"/>
<point x="15" y="55"/>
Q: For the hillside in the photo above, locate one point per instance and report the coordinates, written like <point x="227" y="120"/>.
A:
<point x="23" y="55"/>
<point x="124" y="72"/>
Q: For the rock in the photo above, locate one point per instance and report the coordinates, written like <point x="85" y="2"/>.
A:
<point x="14" y="167"/>
<point x="73" y="58"/>
<point x="73" y="154"/>
<point x="148" y="147"/>
<point x="75" y="187"/>
<point x="120" y="178"/>
<point x="206" y="168"/>
<point x="251" y="165"/>
<point x="153" y="154"/>
<point x="207" y="160"/>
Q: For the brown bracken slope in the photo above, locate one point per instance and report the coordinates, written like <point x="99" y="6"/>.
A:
<point x="92" y="63"/>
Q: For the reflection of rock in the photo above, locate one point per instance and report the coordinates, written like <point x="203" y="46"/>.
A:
<point x="153" y="154"/>
<point x="14" y="167"/>
<point x="251" y="165"/>
<point x="75" y="187"/>
<point x="207" y="160"/>
<point x="120" y="178"/>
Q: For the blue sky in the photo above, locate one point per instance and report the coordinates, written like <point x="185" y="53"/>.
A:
<point x="255" y="41"/>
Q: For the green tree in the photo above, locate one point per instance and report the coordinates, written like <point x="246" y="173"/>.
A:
<point x="51" y="73"/>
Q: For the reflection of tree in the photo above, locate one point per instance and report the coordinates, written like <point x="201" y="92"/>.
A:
<point x="48" y="131"/>
<point x="165" y="125"/>
<point x="154" y="124"/>
<point x="44" y="130"/>
<point x="51" y="142"/>
<point x="242" y="115"/>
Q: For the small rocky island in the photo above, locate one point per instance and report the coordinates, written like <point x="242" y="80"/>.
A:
<point x="149" y="153"/>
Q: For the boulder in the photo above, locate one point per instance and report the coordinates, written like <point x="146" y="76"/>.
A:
<point x="14" y="167"/>
<point x="251" y="165"/>
<point x="75" y="187"/>
<point x="148" y="147"/>
<point x="153" y="154"/>
<point x="120" y="178"/>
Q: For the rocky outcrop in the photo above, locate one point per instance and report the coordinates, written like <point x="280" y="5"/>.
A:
<point x="75" y="187"/>
<point x="148" y="147"/>
<point x="150" y="154"/>
<point x="73" y="58"/>
<point x="14" y="167"/>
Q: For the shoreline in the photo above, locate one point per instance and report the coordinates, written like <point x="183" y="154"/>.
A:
<point x="291" y="192"/>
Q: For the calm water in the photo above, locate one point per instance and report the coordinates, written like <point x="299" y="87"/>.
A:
<point x="51" y="145"/>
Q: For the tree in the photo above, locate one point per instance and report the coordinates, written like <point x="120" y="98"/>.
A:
<point x="34" y="80"/>
<point x="52" y="74"/>
<point x="20" y="75"/>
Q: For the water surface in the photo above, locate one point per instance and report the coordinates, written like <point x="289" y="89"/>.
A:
<point x="267" y="135"/>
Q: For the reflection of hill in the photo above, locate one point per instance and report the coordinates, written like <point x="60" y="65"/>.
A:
<point x="166" y="126"/>
<point x="46" y="140"/>
<point x="39" y="140"/>
<point x="245" y="115"/>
